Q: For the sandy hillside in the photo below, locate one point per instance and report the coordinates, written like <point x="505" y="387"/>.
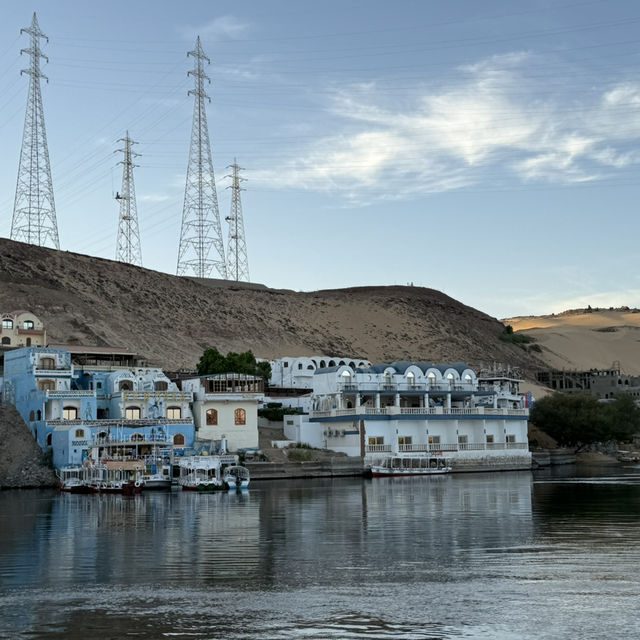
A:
<point x="584" y="340"/>
<point x="92" y="301"/>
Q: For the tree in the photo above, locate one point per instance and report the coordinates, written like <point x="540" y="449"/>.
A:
<point x="212" y="361"/>
<point x="576" y="420"/>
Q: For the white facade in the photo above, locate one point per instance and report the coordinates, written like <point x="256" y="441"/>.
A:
<point x="412" y="408"/>
<point x="298" y="372"/>
<point x="225" y="408"/>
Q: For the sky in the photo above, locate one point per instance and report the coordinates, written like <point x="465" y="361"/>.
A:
<point x="489" y="150"/>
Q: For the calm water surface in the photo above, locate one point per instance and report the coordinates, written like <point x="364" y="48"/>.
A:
<point x="508" y="555"/>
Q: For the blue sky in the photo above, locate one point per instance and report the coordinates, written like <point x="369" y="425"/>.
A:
<point x="485" y="149"/>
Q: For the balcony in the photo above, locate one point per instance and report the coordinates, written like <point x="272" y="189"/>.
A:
<point x="144" y="396"/>
<point x="108" y="422"/>
<point x="417" y="411"/>
<point x="378" y="448"/>
<point x="460" y="446"/>
<point x="71" y="393"/>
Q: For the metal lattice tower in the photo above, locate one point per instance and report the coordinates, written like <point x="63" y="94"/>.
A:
<point x="128" y="241"/>
<point x="237" y="260"/>
<point x="34" y="210"/>
<point x="201" y="234"/>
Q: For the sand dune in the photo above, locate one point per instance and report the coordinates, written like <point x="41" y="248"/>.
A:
<point x="584" y="340"/>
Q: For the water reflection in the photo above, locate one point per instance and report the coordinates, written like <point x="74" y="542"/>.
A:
<point x="479" y="555"/>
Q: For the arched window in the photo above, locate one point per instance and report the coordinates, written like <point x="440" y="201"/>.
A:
<point x="449" y="376"/>
<point x="161" y="385"/>
<point x="70" y="413"/>
<point x="39" y="415"/>
<point x="32" y="416"/>
<point x="311" y="367"/>
<point x="79" y="433"/>
<point x="6" y="340"/>
<point x="125" y="385"/>
<point x="240" y="416"/>
<point x="132" y="413"/>
<point x="7" y="324"/>
<point x="102" y="435"/>
<point x="174" y="413"/>
<point x="48" y="440"/>
<point x="346" y="376"/>
<point x="212" y="417"/>
<point x="467" y="377"/>
<point x="27" y="324"/>
<point x="178" y="440"/>
<point x="137" y="437"/>
<point x="47" y="363"/>
<point x="341" y="363"/>
<point x="47" y="385"/>
<point x="411" y="377"/>
<point x="323" y="364"/>
<point x="332" y="363"/>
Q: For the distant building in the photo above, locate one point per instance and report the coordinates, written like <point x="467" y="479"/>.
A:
<point x="225" y="409"/>
<point x="298" y="372"/>
<point x="21" y="329"/>
<point x="417" y="408"/>
<point x="74" y="409"/>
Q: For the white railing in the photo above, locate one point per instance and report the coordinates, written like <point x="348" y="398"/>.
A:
<point x="460" y="446"/>
<point x="426" y="411"/>
<point x="109" y="422"/>
<point x="71" y="393"/>
<point x="378" y="448"/>
<point x="169" y="396"/>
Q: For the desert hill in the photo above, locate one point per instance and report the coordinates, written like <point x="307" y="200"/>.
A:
<point x="586" y="338"/>
<point x="92" y="301"/>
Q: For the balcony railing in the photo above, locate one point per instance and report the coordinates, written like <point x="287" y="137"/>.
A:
<point x="71" y="393"/>
<point x="378" y="448"/>
<point x="109" y="422"/>
<point x="418" y="411"/>
<point x="460" y="446"/>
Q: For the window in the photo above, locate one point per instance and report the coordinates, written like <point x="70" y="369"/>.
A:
<point x="405" y="439"/>
<point x="79" y="433"/>
<point x="27" y="324"/>
<point x="174" y="413"/>
<point x="161" y="385"/>
<point x="212" y="417"/>
<point x="178" y="440"/>
<point x="125" y="385"/>
<point x="374" y="440"/>
<point x="137" y="437"/>
<point x="434" y="439"/>
<point x="28" y="342"/>
<point x="431" y="376"/>
<point x="411" y="377"/>
<point x="71" y="413"/>
<point x="6" y="340"/>
<point x="489" y="438"/>
<point x="46" y="385"/>
<point x="48" y="440"/>
<point x="310" y="367"/>
<point x="7" y="324"/>
<point x="299" y="365"/>
<point x="286" y="364"/>
<point x="47" y="363"/>
<point x="132" y="413"/>
<point x="240" y="417"/>
<point x="463" y="439"/>
<point x="32" y="416"/>
<point x="511" y="438"/>
<point x="39" y="415"/>
<point x="102" y="435"/>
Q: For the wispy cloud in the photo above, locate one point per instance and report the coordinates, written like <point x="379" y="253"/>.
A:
<point x="487" y="121"/>
<point x="153" y="197"/>
<point x="221" y="28"/>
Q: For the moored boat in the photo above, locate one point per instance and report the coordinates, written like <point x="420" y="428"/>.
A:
<point x="73" y="480"/>
<point x="236" y="477"/>
<point x="411" y="466"/>
<point x="201" y="473"/>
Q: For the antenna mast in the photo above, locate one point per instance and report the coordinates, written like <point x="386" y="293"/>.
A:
<point x="238" y="263"/>
<point x="201" y="230"/>
<point x="34" y="211"/>
<point x="128" y="241"/>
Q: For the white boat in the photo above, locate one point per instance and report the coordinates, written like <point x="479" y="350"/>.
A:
<point x="73" y="479"/>
<point x="411" y="466"/>
<point x="236" y="477"/>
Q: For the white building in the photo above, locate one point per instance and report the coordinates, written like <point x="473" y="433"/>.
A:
<point x="225" y="408"/>
<point x="298" y="373"/>
<point x="413" y="408"/>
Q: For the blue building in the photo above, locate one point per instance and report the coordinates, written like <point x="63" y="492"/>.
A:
<point x="81" y="412"/>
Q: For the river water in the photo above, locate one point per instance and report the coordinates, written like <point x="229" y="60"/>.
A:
<point x="502" y="555"/>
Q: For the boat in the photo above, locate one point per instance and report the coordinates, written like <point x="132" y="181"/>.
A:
<point x="115" y="476"/>
<point x="236" y="477"/>
<point x="157" y="477"/>
<point x="201" y="473"/>
<point x="73" y="479"/>
<point x="411" y="466"/>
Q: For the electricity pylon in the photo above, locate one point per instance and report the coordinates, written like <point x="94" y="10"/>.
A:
<point x="34" y="210"/>
<point x="128" y="241"/>
<point x="237" y="260"/>
<point x="201" y="234"/>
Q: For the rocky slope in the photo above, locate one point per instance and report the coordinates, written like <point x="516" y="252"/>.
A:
<point x="21" y="463"/>
<point x="170" y="319"/>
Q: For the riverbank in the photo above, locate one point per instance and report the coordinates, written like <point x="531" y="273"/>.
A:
<point x="22" y="464"/>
